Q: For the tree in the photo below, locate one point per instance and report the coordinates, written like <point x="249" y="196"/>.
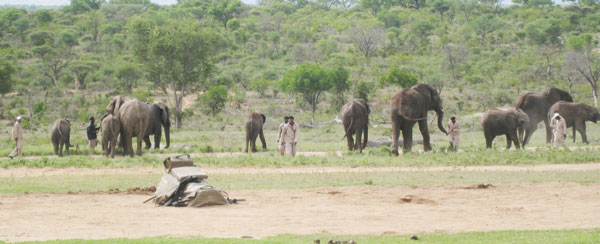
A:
<point x="7" y="78"/>
<point x="399" y="77"/>
<point x="128" y="74"/>
<point x="82" y="6"/>
<point x="310" y="80"/>
<point x="91" y="23"/>
<point x="215" y="98"/>
<point x="224" y="10"/>
<point x="176" y="54"/>
<point x="339" y="85"/>
<point x="584" y="61"/>
<point x="455" y="56"/>
<point x="54" y="55"/>
<point x="484" y="25"/>
<point x="81" y="68"/>
<point x="367" y="39"/>
<point x="44" y="16"/>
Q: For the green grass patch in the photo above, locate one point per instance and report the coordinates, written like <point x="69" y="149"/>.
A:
<point x="66" y="183"/>
<point x="524" y="237"/>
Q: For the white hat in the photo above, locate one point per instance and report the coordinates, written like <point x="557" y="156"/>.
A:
<point x="19" y="118"/>
<point x="556" y="115"/>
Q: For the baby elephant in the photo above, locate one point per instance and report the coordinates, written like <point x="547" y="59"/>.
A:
<point x="61" y="135"/>
<point x="110" y="131"/>
<point x="513" y="123"/>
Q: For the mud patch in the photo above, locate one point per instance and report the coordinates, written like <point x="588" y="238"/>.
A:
<point x="479" y="186"/>
<point x="416" y="200"/>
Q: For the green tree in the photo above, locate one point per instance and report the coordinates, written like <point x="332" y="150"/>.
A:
<point x="177" y="54"/>
<point x="584" y="61"/>
<point x="128" y="74"/>
<point x="224" y="10"/>
<point x="215" y="98"/>
<point x="310" y="80"/>
<point x="91" y="24"/>
<point x="399" y="77"/>
<point x="340" y="85"/>
<point x="44" y="16"/>
<point x="7" y="75"/>
<point x="364" y="90"/>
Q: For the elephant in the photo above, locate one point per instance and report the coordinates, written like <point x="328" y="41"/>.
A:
<point x="355" y="117"/>
<point x="536" y="106"/>
<point x="511" y="122"/>
<point x="410" y="106"/>
<point x="110" y="133"/>
<point x="254" y="128"/>
<point x="575" y="114"/>
<point x="61" y="136"/>
<point x="134" y="117"/>
<point x="159" y="118"/>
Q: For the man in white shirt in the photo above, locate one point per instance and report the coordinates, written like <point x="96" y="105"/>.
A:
<point x="559" y="126"/>
<point x="17" y="136"/>
<point x="279" y="143"/>
<point x="289" y="136"/>
<point x="454" y="133"/>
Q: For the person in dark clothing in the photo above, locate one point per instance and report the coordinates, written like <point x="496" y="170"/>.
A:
<point x="92" y="132"/>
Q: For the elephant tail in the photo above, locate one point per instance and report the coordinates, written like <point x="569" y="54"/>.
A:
<point x="114" y="130"/>
<point x="349" y="127"/>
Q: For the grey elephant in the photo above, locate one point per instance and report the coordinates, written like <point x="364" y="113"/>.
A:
<point x="410" y="106"/>
<point x="110" y="133"/>
<point x="254" y="128"/>
<point x="61" y="136"/>
<point x="159" y="118"/>
<point x="355" y="118"/>
<point x="575" y="114"/>
<point x="133" y="116"/>
<point x="536" y="106"/>
<point x="511" y="122"/>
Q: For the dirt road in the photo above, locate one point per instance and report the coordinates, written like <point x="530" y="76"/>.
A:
<point x="340" y="210"/>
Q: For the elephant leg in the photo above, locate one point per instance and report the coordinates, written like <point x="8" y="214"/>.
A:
<point x="425" y="133"/>
<point x="262" y="140"/>
<point x="60" y="147"/>
<point x="126" y="139"/>
<point x="247" y="141"/>
<point x="515" y="139"/>
<point x="350" y="141"/>
<point x="55" y="148"/>
<point x="140" y="139"/>
<point x="358" y="139"/>
<point x="157" y="137"/>
<point x="582" y="131"/>
<point x="366" y="139"/>
<point x="396" y="125"/>
<point x="407" y="136"/>
<point x="574" y="126"/>
<point x="488" y="140"/>
<point x="147" y="141"/>
<point x="105" y="149"/>
<point x="548" y="131"/>
<point x="253" y="143"/>
<point x="508" y="141"/>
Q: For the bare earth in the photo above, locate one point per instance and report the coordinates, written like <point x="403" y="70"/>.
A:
<point x="340" y="210"/>
<point x="32" y="172"/>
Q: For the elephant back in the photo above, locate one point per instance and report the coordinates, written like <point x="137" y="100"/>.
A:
<point x="410" y="103"/>
<point x="134" y="117"/>
<point x="60" y="128"/>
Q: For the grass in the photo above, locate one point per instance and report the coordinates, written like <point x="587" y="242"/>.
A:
<point x="524" y="237"/>
<point x="66" y="183"/>
<point x="372" y="157"/>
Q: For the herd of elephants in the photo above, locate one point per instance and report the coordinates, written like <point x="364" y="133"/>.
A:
<point x="130" y="118"/>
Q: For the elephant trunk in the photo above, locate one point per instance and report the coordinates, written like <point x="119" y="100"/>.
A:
<point x="440" y="121"/>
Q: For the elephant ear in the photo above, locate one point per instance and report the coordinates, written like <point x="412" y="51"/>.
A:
<point x="264" y="118"/>
<point x="164" y="114"/>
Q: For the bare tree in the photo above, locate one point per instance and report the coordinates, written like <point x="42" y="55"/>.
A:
<point x="586" y="64"/>
<point x="367" y="39"/>
<point x="455" y="56"/>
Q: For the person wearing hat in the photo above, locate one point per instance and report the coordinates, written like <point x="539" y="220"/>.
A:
<point x="279" y="144"/>
<point x="92" y="133"/>
<point x="559" y="126"/>
<point x="17" y="135"/>
<point x="454" y="133"/>
<point x="289" y="137"/>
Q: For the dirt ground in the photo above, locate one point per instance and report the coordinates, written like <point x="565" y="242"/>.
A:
<point x="341" y="210"/>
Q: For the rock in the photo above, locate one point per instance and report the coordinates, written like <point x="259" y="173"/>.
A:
<point x="414" y="237"/>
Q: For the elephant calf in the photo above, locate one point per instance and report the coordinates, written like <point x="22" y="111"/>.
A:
<point x="110" y="132"/>
<point x="61" y="136"/>
<point x="497" y="122"/>
<point x="254" y="128"/>
<point x="575" y="114"/>
<point x="355" y="117"/>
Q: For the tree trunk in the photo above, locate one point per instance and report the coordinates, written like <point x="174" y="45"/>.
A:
<point x="595" y="94"/>
<point x="30" y="104"/>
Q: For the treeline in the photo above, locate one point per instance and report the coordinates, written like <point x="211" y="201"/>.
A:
<point x="478" y="54"/>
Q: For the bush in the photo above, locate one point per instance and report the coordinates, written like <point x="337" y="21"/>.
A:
<point x="142" y="95"/>
<point x="214" y="99"/>
<point x="259" y="85"/>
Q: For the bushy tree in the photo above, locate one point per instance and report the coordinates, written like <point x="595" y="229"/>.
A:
<point x="399" y="77"/>
<point x="7" y="75"/>
<point x="215" y="98"/>
<point x="339" y="86"/>
<point x="309" y="80"/>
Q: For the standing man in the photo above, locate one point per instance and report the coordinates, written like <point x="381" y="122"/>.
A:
<point x="17" y="136"/>
<point x="92" y="133"/>
<point x="559" y="127"/>
<point x="289" y="136"/>
<point x="454" y="133"/>
<point x="279" y="143"/>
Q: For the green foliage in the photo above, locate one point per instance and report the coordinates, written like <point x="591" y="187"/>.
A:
<point x="39" y="109"/>
<point x="128" y="74"/>
<point x="399" y="77"/>
<point x="310" y="80"/>
<point x="7" y="75"/>
<point x="44" y="16"/>
<point x="142" y="95"/>
<point x="364" y="90"/>
<point x="580" y="42"/>
<point x="215" y="98"/>
<point x="259" y="85"/>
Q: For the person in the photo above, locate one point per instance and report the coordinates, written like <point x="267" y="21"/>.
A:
<point x="92" y="133"/>
<point x="559" y="126"/>
<point x="17" y="136"/>
<point x="454" y="133"/>
<point x="289" y="137"/>
<point x="279" y="144"/>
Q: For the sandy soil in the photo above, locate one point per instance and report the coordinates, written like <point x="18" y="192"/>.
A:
<point x="32" y="172"/>
<point x="340" y="210"/>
